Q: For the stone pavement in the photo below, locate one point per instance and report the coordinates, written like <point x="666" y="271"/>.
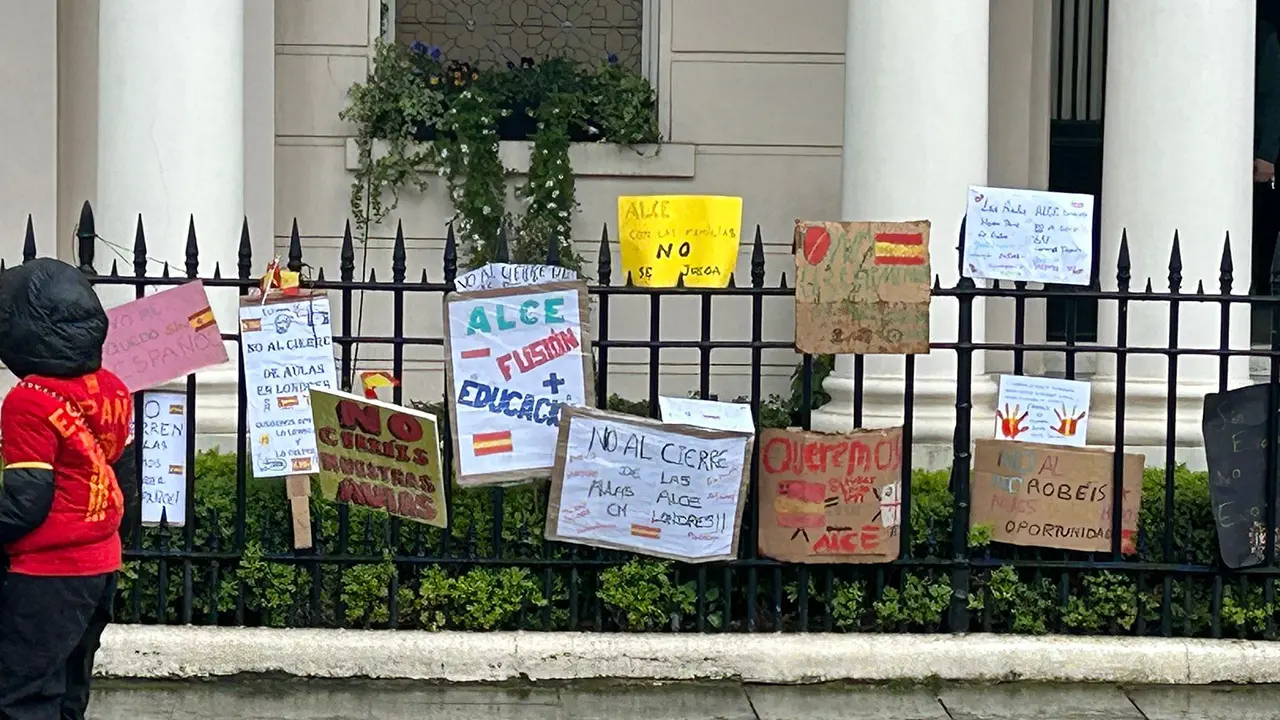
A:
<point x="299" y="699"/>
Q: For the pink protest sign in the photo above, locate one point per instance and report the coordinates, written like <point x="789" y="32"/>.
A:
<point x="163" y="337"/>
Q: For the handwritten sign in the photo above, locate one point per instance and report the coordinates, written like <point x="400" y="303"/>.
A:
<point x="666" y="237"/>
<point x="709" y="414"/>
<point x="164" y="458"/>
<point x="1235" y="448"/>
<point x="380" y="456"/>
<point x="505" y="275"/>
<point x="1045" y="496"/>
<point x="1043" y="410"/>
<point x="1028" y="235"/>
<point x="287" y="345"/>
<point x="516" y="357"/>
<point x="862" y="287"/>
<point x="162" y="337"/>
<point x="827" y="498"/>
<point x="634" y="484"/>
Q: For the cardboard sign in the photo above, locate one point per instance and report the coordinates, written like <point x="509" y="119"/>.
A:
<point x="1028" y="235"/>
<point x="862" y="287"/>
<point x="504" y="275"/>
<point x="515" y="358"/>
<point x="1058" y="497"/>
<point x="709" y="414"/>
<point x="827" y="498"/>
<point x="629" y="483"/>
<point x="1235" y="448"/>
<point x="666" y="237"/>
<point x="164" y="458"/>
<point x="287" y="345"/>
<point x="1043" y="410"/>
<point x="162" y="337"/>
<point x="380" y="456"/>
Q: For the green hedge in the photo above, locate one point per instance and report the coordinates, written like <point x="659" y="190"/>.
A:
<point x="462" y="583"/>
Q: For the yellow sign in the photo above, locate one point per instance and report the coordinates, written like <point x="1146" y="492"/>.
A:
<point x="664" y="237"/>
<point x="379" y="455"/>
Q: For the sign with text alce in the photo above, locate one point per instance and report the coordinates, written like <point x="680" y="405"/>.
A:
<point x="1235" y="448"/>
<point x="1049" y="496"/>
<point x="667" y="237"/>
<point x="629" y="483"/>
<point x="380" y="456"/>
<point x="862" y="287"/>
<point x="162" y="337"/>
<point x="514" y="359"/>
<point x="827" y="498"/>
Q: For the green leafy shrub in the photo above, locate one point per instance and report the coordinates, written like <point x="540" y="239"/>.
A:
<point x="492" y="570"/>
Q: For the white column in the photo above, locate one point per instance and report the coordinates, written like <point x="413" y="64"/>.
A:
<point x="1177" y="156"/>
<point x="171" y="146"/>
<point x="915" y="138"/>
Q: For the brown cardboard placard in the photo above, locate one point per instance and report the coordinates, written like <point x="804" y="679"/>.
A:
<point x="1051" y="495"/>
<point x="830" y="498"/>
<point x="488" y="358"/>
<point x="298" y="490"/>
<point x="635" y="484"/>
<point x="862" y="287"/>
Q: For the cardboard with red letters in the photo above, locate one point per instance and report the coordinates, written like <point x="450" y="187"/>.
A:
<point x="830" y="498"/>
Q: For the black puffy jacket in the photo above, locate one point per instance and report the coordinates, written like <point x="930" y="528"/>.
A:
<point x="51" y="321"/>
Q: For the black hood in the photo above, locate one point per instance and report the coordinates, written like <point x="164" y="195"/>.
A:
<point x="51" y="321"/>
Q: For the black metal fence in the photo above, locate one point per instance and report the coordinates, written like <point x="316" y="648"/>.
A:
<point x="231" y="563"/>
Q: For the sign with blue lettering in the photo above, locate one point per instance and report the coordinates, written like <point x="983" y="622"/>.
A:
<point x="1028" y="235"/>
<point x="514" y="358"/>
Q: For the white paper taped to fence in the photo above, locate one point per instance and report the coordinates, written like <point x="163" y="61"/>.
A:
<point x="505" y="275"/>
<point x="710" y="414"/>
<point x="164" y="458"/>
<point x="516" y="357"/>
<point x="288" y="349"/>
<point x="634" y="484"/>
<point x="1028" y="235"/>
<point x="1043" y="410"/>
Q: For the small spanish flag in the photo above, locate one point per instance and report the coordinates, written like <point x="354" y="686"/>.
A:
<point x="374" y="379"/>
<point x="276" y="278"/>
<point x="287" y="401"/>
<point x="645" y="531"/>
<point x="201" y="320"/>
<point x="175" y="469"/>
<point x="900" y="249"/>
<point x="491" y="443"/>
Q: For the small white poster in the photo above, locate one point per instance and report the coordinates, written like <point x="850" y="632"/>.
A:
<point x="710" y="414"/>
<point x="1043" y="410"/>
<point x="516" y="357"/>
<point x="633" y="484"/>
<point x="164" y="458"/>
<point x="505" y="275"/>
<point x="1028" y="235"/>
<point x="287" y="348"/>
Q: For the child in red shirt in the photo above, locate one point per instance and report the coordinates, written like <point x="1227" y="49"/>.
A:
<point x="61" y="505"/>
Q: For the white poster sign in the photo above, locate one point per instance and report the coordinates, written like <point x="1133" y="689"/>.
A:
<point x="1043" y="410"/>
<point x="164" y="458"/>
<point x="710" y="414"/>
<point x="287" y="348"/>
<point x="1028" y="235"/>
<point x="505" y="275"/>
<point x="634" y="484"/>
<point x="516" y="356"/>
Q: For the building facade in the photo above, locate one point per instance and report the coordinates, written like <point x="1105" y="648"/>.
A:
<point x="815" y="109"/>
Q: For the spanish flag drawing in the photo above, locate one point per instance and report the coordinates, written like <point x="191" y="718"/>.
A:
<point x="201" y="319"/>
<point x="900" y="249"/>
<point x="491" y="443"/>
<point x="645" y="531"/>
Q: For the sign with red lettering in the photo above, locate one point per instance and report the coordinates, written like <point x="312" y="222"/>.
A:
<point x="827" y="498"/>
<point x="379" y="455"/>
<point x="162" y="337"/>
<point x="1053" y="496"/>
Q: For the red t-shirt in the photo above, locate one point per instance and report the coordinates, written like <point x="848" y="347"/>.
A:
<point x="77" y="427"/>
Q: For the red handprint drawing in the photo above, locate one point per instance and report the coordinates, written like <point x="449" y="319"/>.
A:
<point x="1011" y="423"/>
<point x="1068" y="422"/>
